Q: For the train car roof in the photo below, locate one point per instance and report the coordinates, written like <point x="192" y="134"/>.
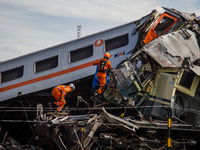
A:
<point x="75" y="40"/>
<point x="187" y="16"/>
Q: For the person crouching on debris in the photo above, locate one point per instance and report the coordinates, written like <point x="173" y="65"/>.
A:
<point x="59" y="93"/>
<point x="104" y="66"/>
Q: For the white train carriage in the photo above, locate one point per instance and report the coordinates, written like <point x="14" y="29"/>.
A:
<point x="66" y="62"/>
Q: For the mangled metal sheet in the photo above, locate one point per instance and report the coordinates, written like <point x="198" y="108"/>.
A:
<point x="170" y="50"/>
<point x="166" y="63"/>
<point x="123" y="124"/>
<point x="195" y="69"/>
<point x="126" y="79"/>
<point x="161" y="95"/>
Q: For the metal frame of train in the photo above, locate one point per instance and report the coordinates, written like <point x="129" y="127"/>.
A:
<point x="72" y="60"/>
<point x="66" y="62"/>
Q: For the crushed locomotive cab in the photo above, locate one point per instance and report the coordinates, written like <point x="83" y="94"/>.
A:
<point x="161" y="74"/>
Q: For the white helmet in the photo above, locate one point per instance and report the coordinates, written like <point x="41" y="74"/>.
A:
<point x="72" y="86"/>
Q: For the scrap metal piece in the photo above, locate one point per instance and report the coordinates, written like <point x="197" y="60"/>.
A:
<point x="195" y="69"/>
<point x="79" y="142"/>
<point x="96" y="125"/>
<point x="80" y="99"/>
<point x="171" y="49"/>
<point x="126" y="80"/>
<point x="124" y="124"/>
<point x="60" y="143"/>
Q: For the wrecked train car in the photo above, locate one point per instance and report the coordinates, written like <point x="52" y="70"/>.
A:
<point x="72" y="61"/>
<point x="161" y="70"/>
<point x="161" y="73"/>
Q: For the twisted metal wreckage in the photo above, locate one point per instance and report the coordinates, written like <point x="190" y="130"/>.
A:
<point x="161" y="75"/>
<point x="152" y="100"/>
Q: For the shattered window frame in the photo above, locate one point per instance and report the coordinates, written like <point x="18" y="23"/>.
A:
<point x="161" y="27"/>
<point x="165" y="15"/>
<point x="81" y="53"/>
<point x="12" y="74"/>
<point x="116" y="42"/>
<point x="180" y="85"/>
<point x="143" y="78"/>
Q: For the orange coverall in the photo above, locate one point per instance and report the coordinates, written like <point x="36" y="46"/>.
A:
<point x="102" y="75"/>
<point x="59" y="93"/>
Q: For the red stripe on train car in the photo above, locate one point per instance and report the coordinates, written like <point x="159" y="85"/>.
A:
<point x="59" y="73"/>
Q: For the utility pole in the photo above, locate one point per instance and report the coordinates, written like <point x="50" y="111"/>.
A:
<point x="78" y="31"/>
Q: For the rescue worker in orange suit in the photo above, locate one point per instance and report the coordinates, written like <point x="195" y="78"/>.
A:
<point x="59" y="93"/>
<point x="104" y="66"/>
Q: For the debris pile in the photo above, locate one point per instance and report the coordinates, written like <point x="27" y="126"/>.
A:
<point x="161" y="76"/>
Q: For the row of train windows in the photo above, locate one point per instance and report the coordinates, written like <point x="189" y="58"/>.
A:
<point x="75" y="55"/>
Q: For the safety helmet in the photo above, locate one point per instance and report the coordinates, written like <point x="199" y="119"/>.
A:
<point x="72" y="86"/>
<point x="107" y="55"/>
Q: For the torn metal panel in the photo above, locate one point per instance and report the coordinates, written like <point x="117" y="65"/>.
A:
<point x="171" y="49"/>
<point x="195" y="69"/>
<point x="158" y="52"/>
<point x="182" y="43"/>
<point x="133" y="75"/>
<point x="186" y="16"/>
<point x="62" y="120"/>
<point x="59" y="129"/>
<point x="96" y="125"/>
<point x="161" y="95"/>
<point x="126" y="80"/>
<point x="123" y="124"/>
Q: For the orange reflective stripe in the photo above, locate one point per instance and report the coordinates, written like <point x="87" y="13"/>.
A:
<point x="42" y="78"/>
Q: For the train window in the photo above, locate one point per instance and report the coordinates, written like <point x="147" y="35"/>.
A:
<point x="46" y="64"/>
<point x="12" y="74"/>
<point x="116" y="42"/>
<point x="187" y="79"/>
<point x="81" y="53"/>
<point x="187" y="83"/>
<point x="163" y="25"/>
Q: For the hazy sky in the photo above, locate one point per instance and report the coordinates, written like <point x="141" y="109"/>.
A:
<point x="31" y="25"/>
